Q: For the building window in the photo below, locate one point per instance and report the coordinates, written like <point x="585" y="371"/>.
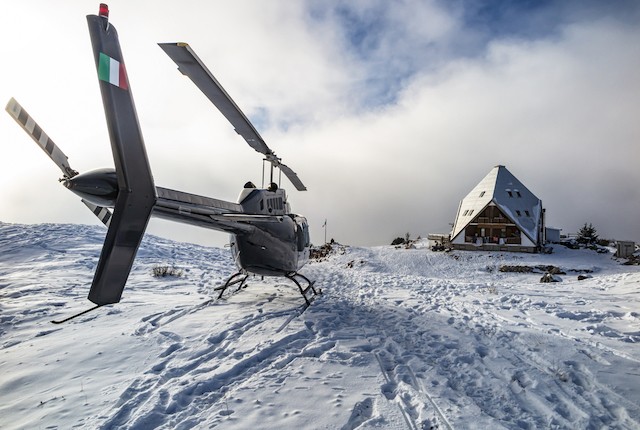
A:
<point x="518" y="213"/>
<point x="527" y="213"/>
<point x="510" y="193"/>
<point x="518" y="193"/>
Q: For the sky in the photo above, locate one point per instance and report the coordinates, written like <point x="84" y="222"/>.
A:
<point x="390" y="112"/>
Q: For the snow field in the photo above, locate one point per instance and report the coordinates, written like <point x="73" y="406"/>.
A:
<point x="399" y="339"/>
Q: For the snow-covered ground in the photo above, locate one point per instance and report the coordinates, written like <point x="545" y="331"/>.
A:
<point x="400" y="339"/>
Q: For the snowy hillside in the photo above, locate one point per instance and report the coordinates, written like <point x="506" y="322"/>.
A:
<point x="400" y="339"/>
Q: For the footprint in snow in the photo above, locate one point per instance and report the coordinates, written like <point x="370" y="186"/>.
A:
<point x="361" y="412"/>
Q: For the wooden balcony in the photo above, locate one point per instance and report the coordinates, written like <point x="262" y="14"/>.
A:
<point x="492" y="221"/>
<point x="493" y="240"/>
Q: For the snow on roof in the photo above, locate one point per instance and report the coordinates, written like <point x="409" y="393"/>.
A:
<point x="510" y="195"/>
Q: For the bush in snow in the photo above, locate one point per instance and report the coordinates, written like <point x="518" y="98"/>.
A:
<point x="406" y="241"/>
<point x="162" y="271"/>
<point x="548" y="277"/>
<point x="323" y="252"/>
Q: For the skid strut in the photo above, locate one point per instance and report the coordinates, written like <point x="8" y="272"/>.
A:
<point x="236" y="278"/>
<point x="304" y="291"/>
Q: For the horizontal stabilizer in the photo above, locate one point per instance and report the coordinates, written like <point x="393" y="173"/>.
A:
<point x="40" y="137"/>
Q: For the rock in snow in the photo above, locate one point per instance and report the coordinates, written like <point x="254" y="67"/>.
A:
<point x="403" y="339"/>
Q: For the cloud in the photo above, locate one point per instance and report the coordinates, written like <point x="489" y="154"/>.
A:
<point x="389" y="112"/>
<point x="382" y="44"/>
<point x="558" y="112"/>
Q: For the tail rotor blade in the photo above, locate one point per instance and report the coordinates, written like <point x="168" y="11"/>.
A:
<point x="21" y="116"/>
<point x="103" y="214"/>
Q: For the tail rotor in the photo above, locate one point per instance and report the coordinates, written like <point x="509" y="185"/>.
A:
<point x="43" y="140"/>
<point x="69" y="176"/>
<point x="129" y="189"/>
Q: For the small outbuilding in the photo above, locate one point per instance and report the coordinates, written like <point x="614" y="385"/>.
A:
<point x="552" y="235"/>
<point x="500" y="213"/>
<point x="625" y="249"/>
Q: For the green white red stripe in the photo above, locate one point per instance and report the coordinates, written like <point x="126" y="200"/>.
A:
<point x="112" y="71"/>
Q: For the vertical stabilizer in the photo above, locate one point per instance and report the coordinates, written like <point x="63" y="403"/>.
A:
<point x="136" y="190"/>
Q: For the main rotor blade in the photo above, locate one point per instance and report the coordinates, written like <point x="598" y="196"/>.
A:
<point x="292" y="177"/>
<point x="190" y="65"/>
<point x="40" y="137"/>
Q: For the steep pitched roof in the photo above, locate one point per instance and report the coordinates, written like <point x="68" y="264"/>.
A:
<point x="511" y="197"/>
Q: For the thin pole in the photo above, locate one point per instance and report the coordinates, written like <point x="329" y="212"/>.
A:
<point x="325" y="230"/>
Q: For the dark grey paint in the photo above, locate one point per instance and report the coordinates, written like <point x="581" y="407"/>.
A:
<point x="136" y="190"/>
<point x="265" y="238"/>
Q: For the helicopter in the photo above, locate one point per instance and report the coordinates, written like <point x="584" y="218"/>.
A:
<point x="266" y="239"/>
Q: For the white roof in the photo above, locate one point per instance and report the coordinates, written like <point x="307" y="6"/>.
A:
<point x="504" y="190"/>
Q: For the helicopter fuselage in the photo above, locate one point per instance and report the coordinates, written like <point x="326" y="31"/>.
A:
<point x="265" y="237"/>
<point x="279" y="243"/>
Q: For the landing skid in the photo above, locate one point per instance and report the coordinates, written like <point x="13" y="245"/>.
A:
<point x="308" y="293"/>
<point x="76" y="315"/>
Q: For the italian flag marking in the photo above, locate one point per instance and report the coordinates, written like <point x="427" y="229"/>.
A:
<point x="112" y="71"/>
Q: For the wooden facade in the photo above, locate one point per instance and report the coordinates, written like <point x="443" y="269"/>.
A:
<point x="499" y="213"/>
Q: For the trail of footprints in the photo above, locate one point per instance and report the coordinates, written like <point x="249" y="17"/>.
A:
<point x="434" y="359"/>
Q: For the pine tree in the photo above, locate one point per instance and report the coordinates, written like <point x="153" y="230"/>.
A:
<point x="587" y="234"/>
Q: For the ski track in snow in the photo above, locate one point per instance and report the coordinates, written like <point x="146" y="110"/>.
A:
<point x="400" y="339"/>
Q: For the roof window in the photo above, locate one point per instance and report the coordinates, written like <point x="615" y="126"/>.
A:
<point x="518" y="213"/>
<point x="482" y="194"/>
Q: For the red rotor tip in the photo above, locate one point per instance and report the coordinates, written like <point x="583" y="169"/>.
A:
<point x="104" y="10"/>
